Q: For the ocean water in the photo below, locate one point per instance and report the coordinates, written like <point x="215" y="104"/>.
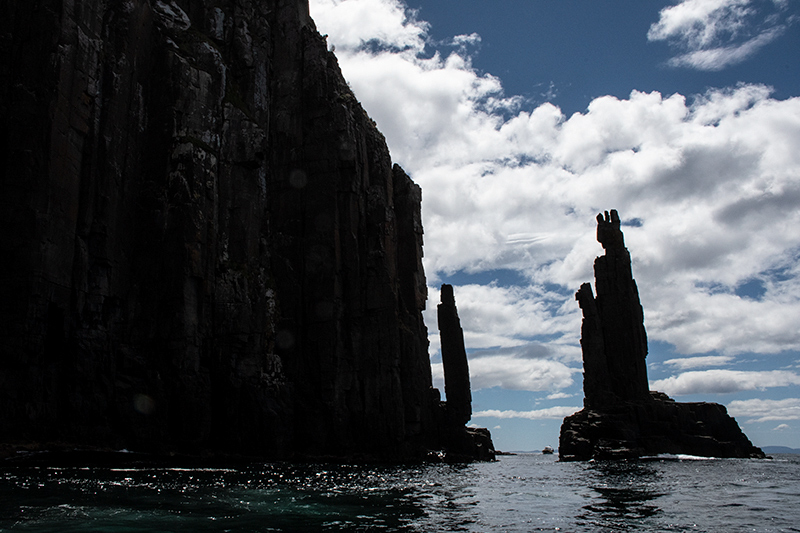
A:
<point x="526" y="492"/>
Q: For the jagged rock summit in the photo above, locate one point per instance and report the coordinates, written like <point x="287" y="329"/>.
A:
<point x="621" y="417"/>
<point x="206" y="247"/>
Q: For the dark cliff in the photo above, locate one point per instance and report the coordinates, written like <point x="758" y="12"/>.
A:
<point x="622" y="418"/>
<point x="205" y="244"/>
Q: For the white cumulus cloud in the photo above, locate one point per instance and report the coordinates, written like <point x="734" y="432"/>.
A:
<point x="378" y="21"/>
<point x="707" y="185"/>
<point x="512" y="373"/>
<point x="504" y="317"/>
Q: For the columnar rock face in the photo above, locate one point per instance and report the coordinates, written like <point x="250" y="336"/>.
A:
<point x="205" y="244"/>
<point x="454" y="359"/>
<point x="613" y="338"/>
<point x="621" y="417"/>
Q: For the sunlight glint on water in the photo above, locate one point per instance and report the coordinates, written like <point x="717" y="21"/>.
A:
<point x="516" y="493"/>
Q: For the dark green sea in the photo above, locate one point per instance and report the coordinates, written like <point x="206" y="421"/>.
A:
<point x="527" y="492"/>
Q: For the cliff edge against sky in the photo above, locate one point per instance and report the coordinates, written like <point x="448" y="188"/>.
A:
<point x="206" y="245"/>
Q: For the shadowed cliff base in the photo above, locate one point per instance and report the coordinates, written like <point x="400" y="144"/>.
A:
<point x="206" y="246"/>
<point x="621" y="417"/>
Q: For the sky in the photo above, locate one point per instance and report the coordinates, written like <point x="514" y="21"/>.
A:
<point x="523" y="119"/>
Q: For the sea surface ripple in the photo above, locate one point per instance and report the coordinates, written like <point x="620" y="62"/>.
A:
<point x="521" y="493"/>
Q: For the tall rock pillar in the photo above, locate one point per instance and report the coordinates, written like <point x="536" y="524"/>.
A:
<point x="461" y="443"/>
<point x="454" y="359"/>
<point x="613" y="337"/>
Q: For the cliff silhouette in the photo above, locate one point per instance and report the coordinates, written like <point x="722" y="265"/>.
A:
<point x="621" y="417"/>
<point x="206" y="246"/>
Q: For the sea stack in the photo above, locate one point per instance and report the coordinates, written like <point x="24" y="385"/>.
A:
<point x="460" y="442"/>
<point x="621" y="417"/>
<point x="454" y="359"/>
<point x="206" y="248"/>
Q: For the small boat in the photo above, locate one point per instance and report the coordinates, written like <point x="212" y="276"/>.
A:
<point x="547" y="450"/>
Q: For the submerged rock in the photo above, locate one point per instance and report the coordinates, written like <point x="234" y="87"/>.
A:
<point x="621" y="418"/>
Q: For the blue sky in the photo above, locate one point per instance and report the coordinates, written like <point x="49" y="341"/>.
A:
<point x="522" y="119"/>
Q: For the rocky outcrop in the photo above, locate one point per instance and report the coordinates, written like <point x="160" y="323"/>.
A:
<point x="459" y="442"/>
<point x="621" y="417"/>
<point x="205" y="244"/>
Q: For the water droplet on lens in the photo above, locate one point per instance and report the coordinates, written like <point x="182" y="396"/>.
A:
<point x="144" y="404"/>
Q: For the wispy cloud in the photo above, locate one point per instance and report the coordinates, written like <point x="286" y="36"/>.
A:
<point x="766" y="410"/>
<point x="699" y="362"/>
<point x="722" y="57"/>
<point x="724" y="381"/>
<point x="537" y="414"/>
<point x="559" y="396"/>
<point x="715" y="34"/>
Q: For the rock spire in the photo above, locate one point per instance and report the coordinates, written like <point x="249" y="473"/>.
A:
<point x="621" y="417"/>
<point x="454" y="359"/>
<point x="613" y="337"/>
<point x="459" y="441"/>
